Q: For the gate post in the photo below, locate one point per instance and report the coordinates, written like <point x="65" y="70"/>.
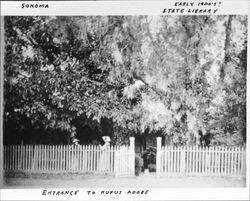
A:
<point x="158" y="157"/>
<point x="132" y="155"/>
<point x="132" y="143"/>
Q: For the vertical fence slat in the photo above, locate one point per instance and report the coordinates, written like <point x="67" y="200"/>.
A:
<point x="84" y="158"/>
<point x="205" y="160"/>
<point x="91" y="158"/>
<point x="22" y="150"/>
<point x="177" y="160"/>
<point x="32" y="155"/>
<point x="222" y="160"/>
<point x="87" y="158"/>
<point x="49" y="157"/>
<point x="81" y="158"/>
<point x="239" y="164"/>
<point x="55" y="157"/>
<point x="212" y="160"/>
<point x="74" y="158"/>
<point x="26" y="159"/>
<point x="235" y="159"/>
<point x="167" y="159"/>
<point x="63" y="163"/>
<point x="46" y="156"/>
<point x="231" y="160"/>
<point x="164" y="157"/>
<point x="16" y="157"/>
<point x="77" y="158"/>
<point x="42" y="156"/>
<point x="216" y="160"/>
<point x="112" y="159"/>
<point x="226" y="160"/>
<point x="174" y="159"/>
<point x="196" y="159"/>
<point x="189" y="160"/>
<point x="6" y="157"/>
<point x="243" y="161"/>
<point x="9" y="155"/>
<point x="200" y="160"/>
<point x="220" y="166"/>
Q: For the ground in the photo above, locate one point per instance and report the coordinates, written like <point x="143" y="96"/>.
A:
<point x="98" y="181"/>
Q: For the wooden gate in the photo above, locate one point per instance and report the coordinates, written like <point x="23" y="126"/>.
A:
<point x="125" y="160"/>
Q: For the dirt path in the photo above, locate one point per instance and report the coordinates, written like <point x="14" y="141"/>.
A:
<point x="150" y="181"/>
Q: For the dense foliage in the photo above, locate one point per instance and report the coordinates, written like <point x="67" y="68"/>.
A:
<point x="181" y="76"/>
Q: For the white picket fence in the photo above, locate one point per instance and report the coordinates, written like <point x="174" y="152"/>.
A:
<point x="115" y="160"/>
<point x="197" y="160"/>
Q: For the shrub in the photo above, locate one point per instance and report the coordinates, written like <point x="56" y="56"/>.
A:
<point x="149" y="156"/>
<point x="138" y="164"/>
<point x="151" y="167"/>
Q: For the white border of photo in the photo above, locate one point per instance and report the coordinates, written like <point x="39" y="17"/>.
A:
<point x="225" y="7"/>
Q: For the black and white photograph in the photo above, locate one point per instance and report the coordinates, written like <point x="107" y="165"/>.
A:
<point x="124" y="101"/>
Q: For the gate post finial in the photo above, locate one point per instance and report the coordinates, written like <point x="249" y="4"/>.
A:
<point x="158" y="156"/>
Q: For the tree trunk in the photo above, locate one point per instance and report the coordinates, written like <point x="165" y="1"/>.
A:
<point x="226" y="47"/>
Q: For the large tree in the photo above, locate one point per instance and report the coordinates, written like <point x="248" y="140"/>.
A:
<point x="181" y="76"/>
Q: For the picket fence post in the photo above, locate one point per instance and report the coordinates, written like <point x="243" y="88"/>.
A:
<point x="132" y="155"/>
<point x="158" y="156"/>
